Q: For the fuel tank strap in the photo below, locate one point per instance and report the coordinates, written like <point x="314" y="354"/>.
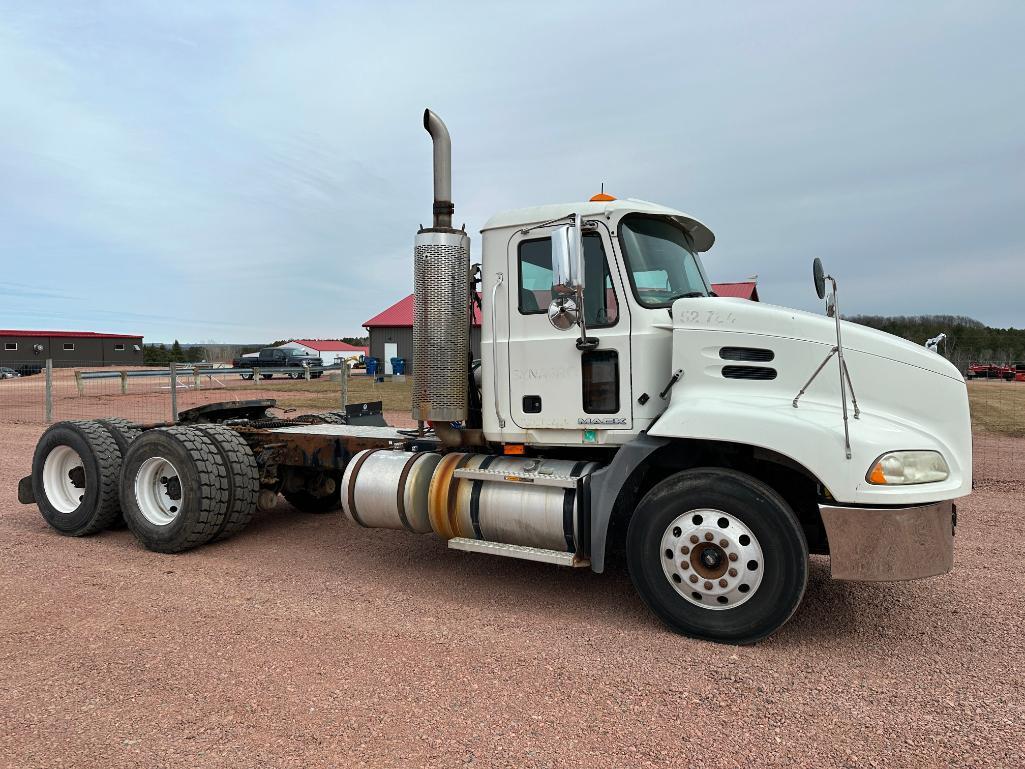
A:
<point x="475" y="499"/>
<point x="351" y="491"/>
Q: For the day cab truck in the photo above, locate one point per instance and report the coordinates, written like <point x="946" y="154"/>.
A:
<point x="618" y="407"/>
<point x="279" y="360"/>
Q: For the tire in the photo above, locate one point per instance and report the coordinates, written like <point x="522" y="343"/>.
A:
<point x="771" y="550"/>
<point x="77" y="459"/>
<point x="305" y="502"/>
<point x="246" y="376"/>
<point x="331" y="418"/>
<point x="123" y="432"/>
<point x="243" y="478"/>
<point x="167" y="517"/>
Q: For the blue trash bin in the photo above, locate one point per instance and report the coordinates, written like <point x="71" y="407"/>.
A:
<point x="398" y="365"/>
<point x="372" y="367"/>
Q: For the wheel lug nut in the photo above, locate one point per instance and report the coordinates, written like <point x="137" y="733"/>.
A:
<point x="709" y="536"/>
<point x="733" y="572"/>
<point x="685" y="550"/>
<point x="733" y="556"/>
<point x="693" y="577"/>
<point x="724" y="544"/>
<point x="708" y="586"/>
<point x="723" y="583"/>
<point x="684" y="565"/>
<point x="694" y="539"/>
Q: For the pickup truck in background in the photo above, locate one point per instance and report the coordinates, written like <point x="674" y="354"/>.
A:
<point x="281" y="360"/>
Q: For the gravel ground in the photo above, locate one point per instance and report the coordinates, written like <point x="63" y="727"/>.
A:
<point x="306" y="642"/>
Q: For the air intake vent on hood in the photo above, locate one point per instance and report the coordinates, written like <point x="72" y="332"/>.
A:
<point x="748" y="372"/>
<point x="753" y="354"/>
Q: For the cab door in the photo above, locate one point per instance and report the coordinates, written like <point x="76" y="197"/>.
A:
<point x="553" y="384"/>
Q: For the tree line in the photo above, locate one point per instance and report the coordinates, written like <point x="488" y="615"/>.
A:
<point x="968" y="341"/>
<point x="161" y="354"/>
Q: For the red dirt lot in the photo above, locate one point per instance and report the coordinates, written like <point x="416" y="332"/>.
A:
<point x="306" y="641"/>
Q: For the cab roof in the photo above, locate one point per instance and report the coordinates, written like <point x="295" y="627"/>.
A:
<point x="519" y="217"/>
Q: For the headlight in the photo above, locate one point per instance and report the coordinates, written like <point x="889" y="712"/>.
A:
<point x="901" y="468"/>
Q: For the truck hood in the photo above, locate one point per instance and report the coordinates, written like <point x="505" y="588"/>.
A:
<point x="742" y="315"/>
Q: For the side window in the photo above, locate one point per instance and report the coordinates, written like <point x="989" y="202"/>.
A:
<point x="601" y="307"/>
<point x="600" y="369"/>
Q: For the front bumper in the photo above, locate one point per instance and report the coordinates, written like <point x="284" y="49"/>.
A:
<point x="870" y="544"/>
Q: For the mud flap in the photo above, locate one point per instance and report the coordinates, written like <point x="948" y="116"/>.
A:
<point x="25" y="495"/>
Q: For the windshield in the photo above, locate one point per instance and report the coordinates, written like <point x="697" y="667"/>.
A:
<point x="661" y="261"/>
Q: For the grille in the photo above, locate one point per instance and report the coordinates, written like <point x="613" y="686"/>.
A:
<point x="748" y="372"/>
<point x="441" y="327"/>
<point x="753" y="354"/>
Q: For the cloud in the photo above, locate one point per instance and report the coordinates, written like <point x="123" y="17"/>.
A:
<point x="252" y="171"/>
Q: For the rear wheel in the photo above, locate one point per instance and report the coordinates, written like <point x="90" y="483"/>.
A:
<point x="243" y="478"/>
<point x="246" y="376"/>
<point x="75" y="472"/>
<point x="123" y="432"/>
<point x="718" y="555"/>
<point x="174" y="489"/>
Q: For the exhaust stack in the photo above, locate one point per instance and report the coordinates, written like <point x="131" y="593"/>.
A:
<point x="443" y="207"/>
<point x="441" y="284"/>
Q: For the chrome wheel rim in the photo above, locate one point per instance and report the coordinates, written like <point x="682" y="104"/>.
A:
<point x="64" y="479"/>
<point x="712" y="559"/>
<point x="158" y="491"/>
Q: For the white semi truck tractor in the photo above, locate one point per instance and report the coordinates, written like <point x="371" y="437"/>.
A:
<point x="618" y="407"/>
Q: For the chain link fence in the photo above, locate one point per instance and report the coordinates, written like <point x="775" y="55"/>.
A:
<point x="998" y="431"/>
<point x="35" y="392"/>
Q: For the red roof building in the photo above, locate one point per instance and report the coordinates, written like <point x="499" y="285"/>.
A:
<point x="27" y="350"/>
<point x="329" y="350"/>
<point x="747" y="289"/>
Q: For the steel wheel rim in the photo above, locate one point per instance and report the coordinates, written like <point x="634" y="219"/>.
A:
<point x="158" y="491"/>
<point x="712" y="559"/>
<point x="64" y="479"/>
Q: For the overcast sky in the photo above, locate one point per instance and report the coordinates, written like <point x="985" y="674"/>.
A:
<point x="248" y="171"/>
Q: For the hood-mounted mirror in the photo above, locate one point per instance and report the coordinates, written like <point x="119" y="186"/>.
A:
<point x="819" y="276"/>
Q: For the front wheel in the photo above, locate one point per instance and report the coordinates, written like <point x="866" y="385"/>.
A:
<point x="718" y="555"/>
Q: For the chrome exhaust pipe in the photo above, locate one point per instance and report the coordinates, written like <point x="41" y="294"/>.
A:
<point x="443" y="207"/>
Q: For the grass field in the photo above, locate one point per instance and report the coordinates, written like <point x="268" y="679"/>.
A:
<point x="998" y="407"/>
<point x="324" y="394"/>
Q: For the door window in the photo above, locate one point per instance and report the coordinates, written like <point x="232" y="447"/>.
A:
<point x="600" y="370"/>
<point x="601" y="307"/>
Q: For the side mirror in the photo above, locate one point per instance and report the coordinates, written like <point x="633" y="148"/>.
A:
<point x="567" y="275"/>
<point x="819" y="276"/>
<point x="563" y="313"/>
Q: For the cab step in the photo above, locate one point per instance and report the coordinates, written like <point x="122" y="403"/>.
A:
<point x="519" y="551"/>
<point x="538" y="479"/>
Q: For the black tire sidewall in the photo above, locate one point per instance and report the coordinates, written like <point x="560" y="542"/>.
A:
<point x="82" y="517"/>
<point x="784" y="549"/>
<point x="154" y="537"/>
